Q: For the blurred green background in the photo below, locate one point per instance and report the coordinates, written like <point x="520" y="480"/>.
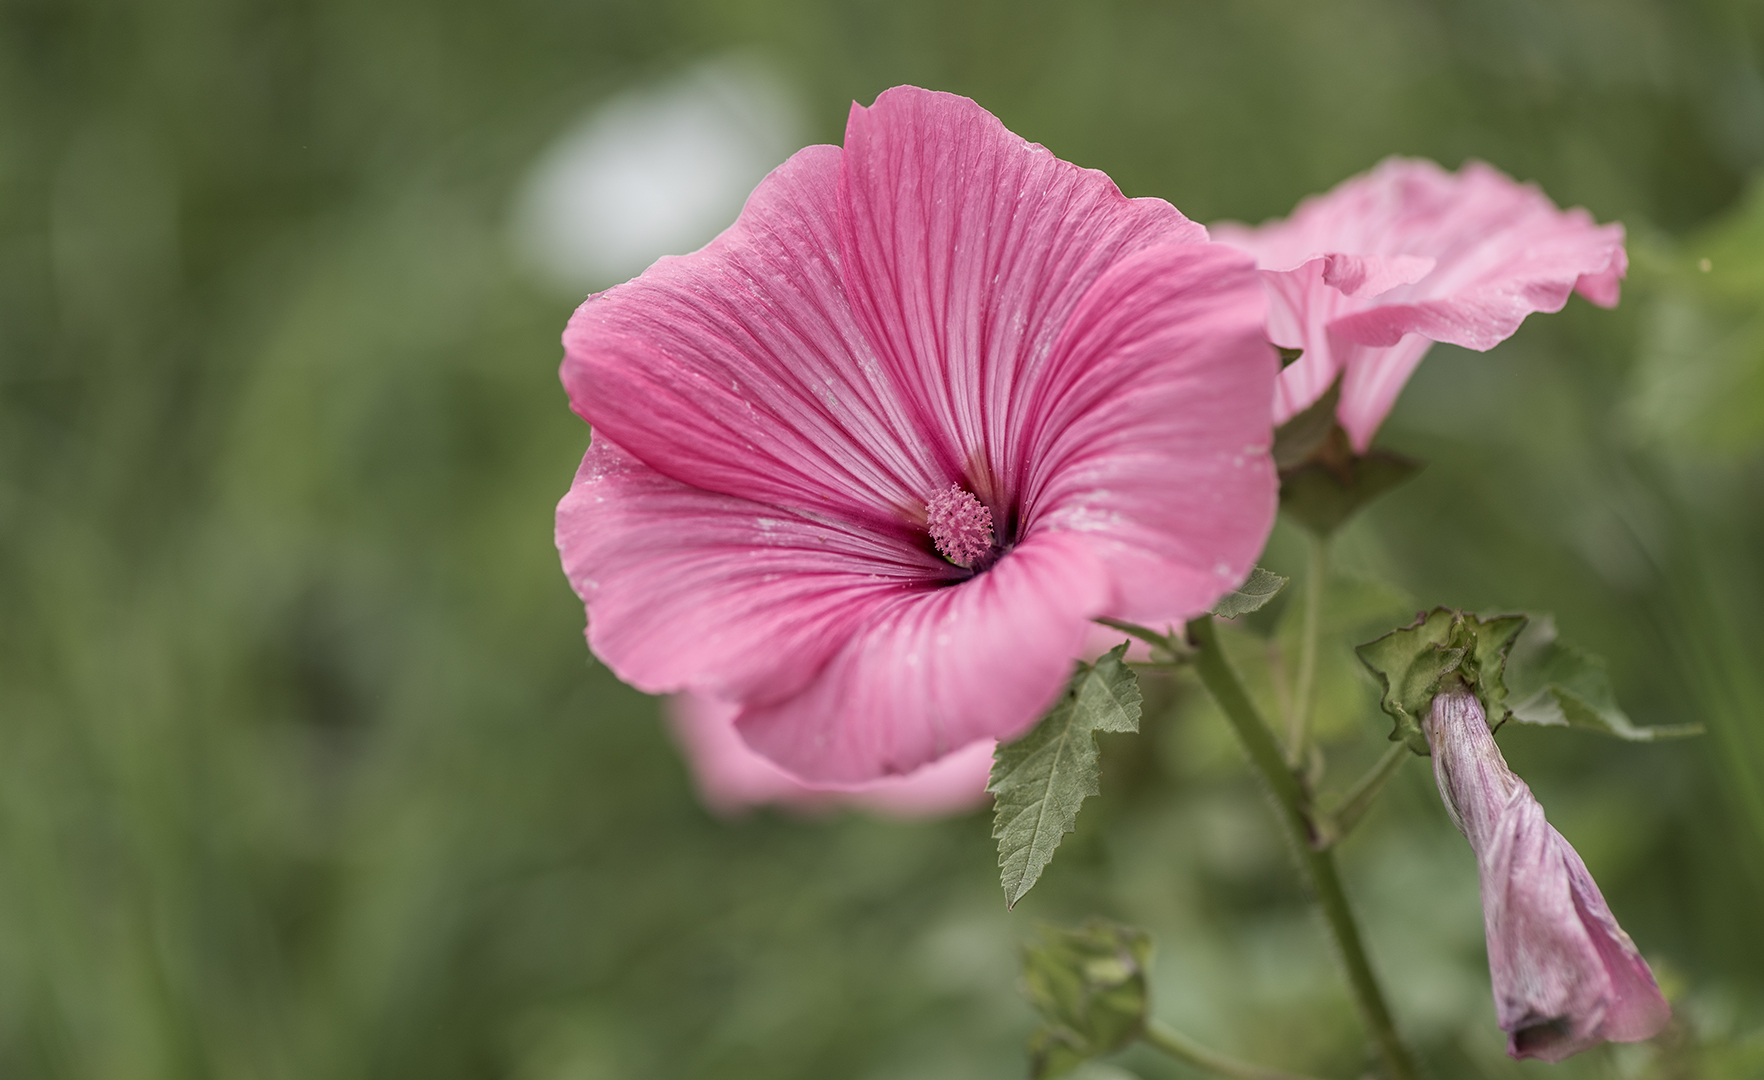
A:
<point x="305" y="770"/>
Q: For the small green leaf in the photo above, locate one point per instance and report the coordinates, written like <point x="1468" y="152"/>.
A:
<point x="1040" y="780"/>
<point x="1288" y="357"/>
<point x="1410" y="663"/>
<point x="1486" y="664"/>
<point x="1557" y="684"/>
<point x="1322" y="495"/>
<point x="1089" y="985"/>
<point x="1251" y="595"/>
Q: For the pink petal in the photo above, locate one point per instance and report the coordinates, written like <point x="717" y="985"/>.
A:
<point x="1149" y="434"/>
<point x="1500" y="251"/>
<point x="1551" y="993"/>
<point x="731" y="777"/>
<point x="1370" y="275"/>
<point x="687" y="589"/>
<point x="934" y="671"/>
<point x="1636" y="1009"/>
<point x="739" y="369"/>
<point x="967" y="249"/>
<point x="1372" y="381"/>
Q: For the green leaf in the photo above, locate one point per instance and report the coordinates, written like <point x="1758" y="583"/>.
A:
<point x="1089" y="985"/>
<point x="1040" y="780"/>
<point x="1288" y="357"/>
<point x="1321" y="495"/>
<point x="1556" y="684"/>
<point x="1410" y="664"/>
<point x="1251" y="595"/>
<point x="1486" y="664"/>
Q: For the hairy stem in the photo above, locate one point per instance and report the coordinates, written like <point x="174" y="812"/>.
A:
<point x="1191" y="1053"/>
<point x="1299" y="718"/>
<point x="1318" y="862"/>
<point x="1359" y="797"/>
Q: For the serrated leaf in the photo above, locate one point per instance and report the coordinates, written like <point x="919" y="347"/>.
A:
<point x="1261" y="587"/>
<point x="1411" y="662"/>
<point x="1486" y="664"/>
<point x="1556" y="684"/>
<point x="1039" y="781"/>
<point x="1323" y="495"/>
<point x="1089" y="985"/>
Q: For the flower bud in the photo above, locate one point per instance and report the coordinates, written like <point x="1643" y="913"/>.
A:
<point x="1566" y="977"/>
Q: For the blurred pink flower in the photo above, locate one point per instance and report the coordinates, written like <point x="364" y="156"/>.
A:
<point x="731" y="777"/>
<point x="780" y="418"/>
<point x="1566" y="977"/>
<point x="1368" y="276"/>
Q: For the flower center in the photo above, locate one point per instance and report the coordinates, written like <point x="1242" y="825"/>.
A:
<point x="960" y="526"/>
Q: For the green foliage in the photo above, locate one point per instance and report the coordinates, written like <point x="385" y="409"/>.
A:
<point x="1411" y="662"/>
<point x="1297" y="440"/>
<point x="1557" y="684"/>
<point x="1700" y="380"/>
<point x="1323" y="495"/>
<point x="1089" y="985"/>
<point x="1041" y="779"/>
<point x="1552" y="683"/>
<point x="1323" y="483"/>
<point x="1261" y="587"/>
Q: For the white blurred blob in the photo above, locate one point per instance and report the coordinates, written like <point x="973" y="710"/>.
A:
<point x="654" y="171"/>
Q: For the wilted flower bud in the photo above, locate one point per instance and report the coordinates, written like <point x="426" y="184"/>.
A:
<point x="1565" y="975"/>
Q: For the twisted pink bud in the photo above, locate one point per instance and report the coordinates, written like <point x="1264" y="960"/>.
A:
<point x="1566" y="977"/>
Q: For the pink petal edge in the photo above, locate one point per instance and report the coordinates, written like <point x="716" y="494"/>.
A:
<point x="731" y="777"/>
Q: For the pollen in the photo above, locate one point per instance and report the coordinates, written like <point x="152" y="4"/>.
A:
<point x="960" y="526"/>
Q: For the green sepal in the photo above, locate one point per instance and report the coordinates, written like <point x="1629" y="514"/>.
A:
<point x="1303" y="435"/>
<point x="1558" y="685"/>
<point x="1323" y="494"/>
<point x="1412" y="662"/>
<point x="1260" y="587"/>
<point x="1089" y="985"/>
<point x="1039" y="781"/>
<point x="1323" y="482"/>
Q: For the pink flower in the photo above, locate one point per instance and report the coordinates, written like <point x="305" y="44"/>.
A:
<point x="1365" y="278"/>
<point x="869" y="462"/>
<point x="731" y="777"/>
<point x="1566" y="977"/>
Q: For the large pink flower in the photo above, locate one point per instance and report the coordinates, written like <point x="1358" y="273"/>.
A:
<point x="1368" y="276"/>
<point x="869" y="462"/>
<point x="731" y="777"/>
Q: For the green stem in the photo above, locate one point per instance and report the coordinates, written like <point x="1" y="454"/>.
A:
<point x="1319" y="862"/>
<point x="1359" y="797"/>
<point x="1300" y="717"/>
<point x="1143" y="633"/>
<point x="1191" y="1053"/>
